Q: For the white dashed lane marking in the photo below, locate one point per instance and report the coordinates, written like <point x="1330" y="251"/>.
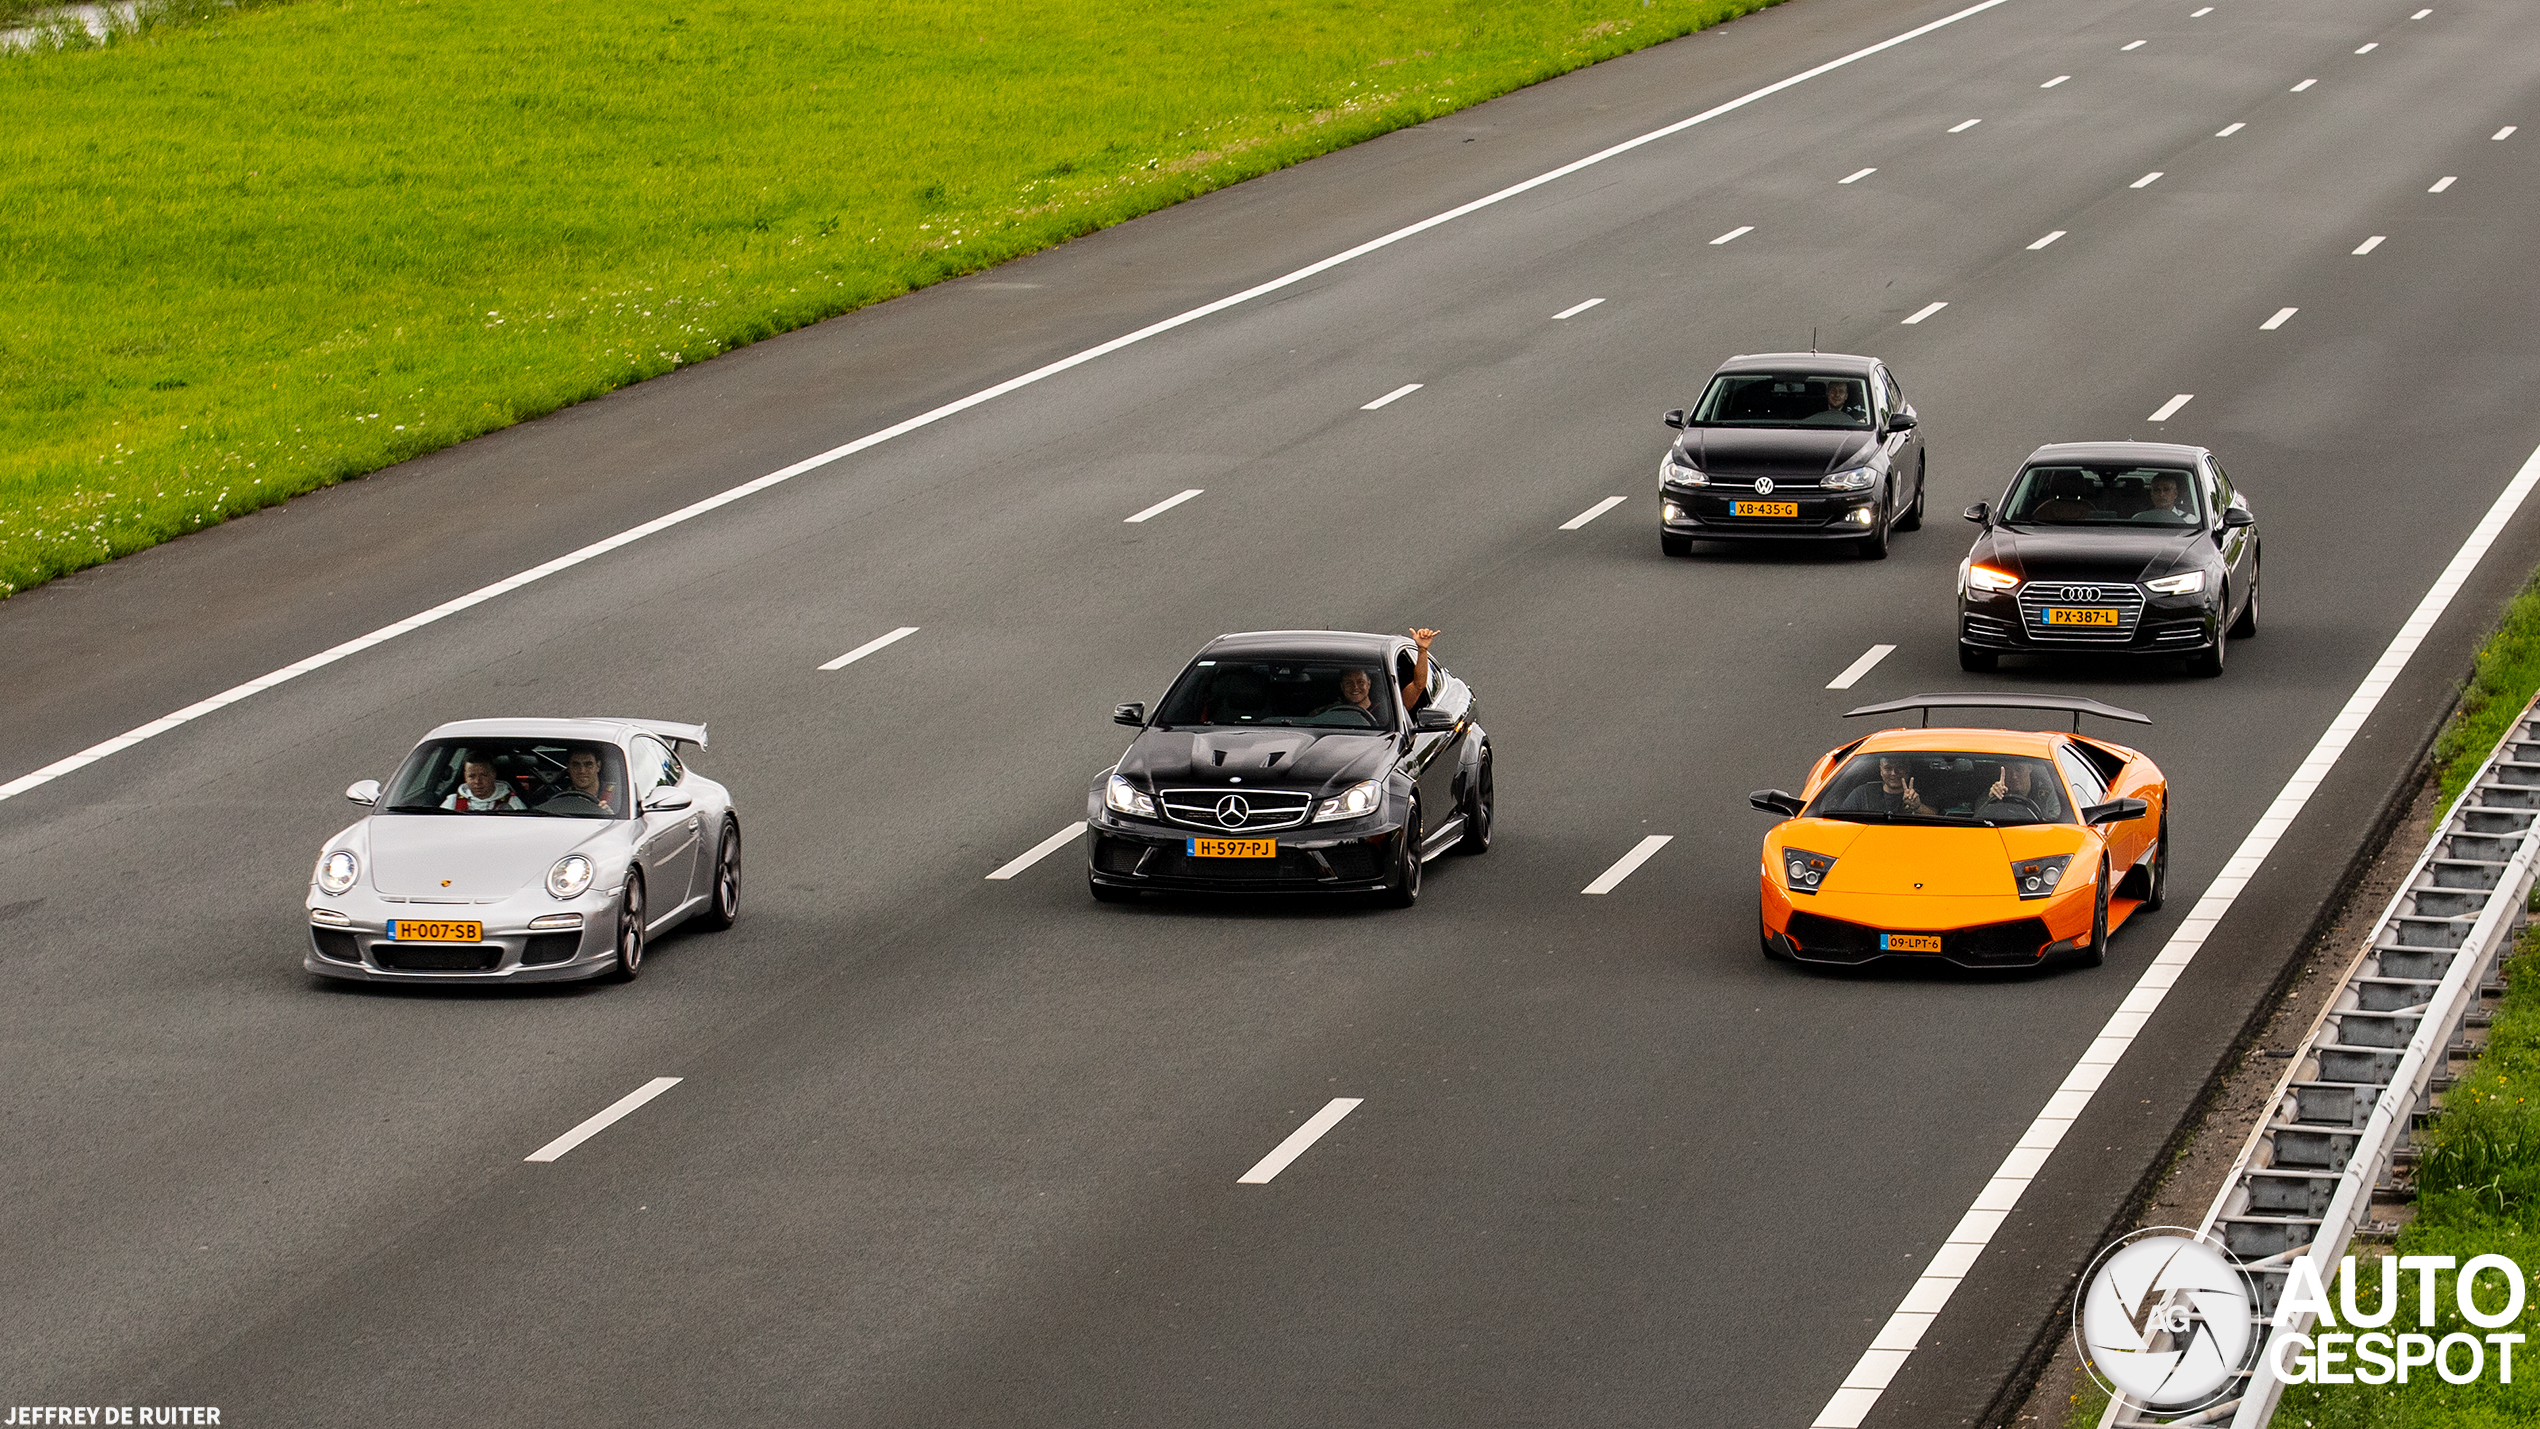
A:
<point x="2049" y="238"/>
<point x="2443" y="183"/>
<point x="1599" y="509"/>
<point x="1964" y="127"/>
<point x="2228" y="130"/>
<point x="1853" y="672"/>
<point x="2277" y="321"/>
<point x="2059" y="79"/>
<point x="2370" y="244"/>
<point x="2170" y="408"/>
<point x="1396" y="395"/>
<point x="2297" y="89"/>
<point x="2368" y="49"/>
<point x="1575" y="310"/>
<point x="1163" y="506"/>
<point x="1607" y="881"/>
<point x="869" y="646"/>
<point x="2505" y="133"/>
<point x="608" y="1117"/>
<point x="2146" y="181"/>
<point x="1740" y="231"/>
<point x="2130" y="45"/>
<point x="1040" y="851"/>
<point x="1856" y="177"/>
<point x="1298" y="1140"/>
<point x="1927" y="310"/>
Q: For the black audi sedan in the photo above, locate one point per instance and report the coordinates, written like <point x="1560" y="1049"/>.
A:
<point x="2135" y="548"/>
<point x="1285" y="760"/>
<point x="1811" y="446"/>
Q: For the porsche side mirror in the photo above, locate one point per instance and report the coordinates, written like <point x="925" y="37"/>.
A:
<point x="1132" y="713"/>
<point x="2115" y="811"/>
<point x="1978" y="512"/>
<point x="2235" y="517"/>
<point x="1901" y="422"/>
<point x="363" y="791"/>
<point x="1775" y="801"/>
<point x="1676" y="417"/>
<point x="1432" y="720"/>
<point x="668" y="801"/>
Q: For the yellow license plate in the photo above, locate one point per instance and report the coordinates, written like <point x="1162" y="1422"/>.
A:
<point x="1763" y="508"/>
<point x="434" y="930"/>
<point x="1909" y="942"/>
<point x="1234" y="848"/>
<point x="2061" y="615"/>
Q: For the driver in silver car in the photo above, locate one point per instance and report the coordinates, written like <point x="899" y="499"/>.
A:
<point x="582" y="769"/>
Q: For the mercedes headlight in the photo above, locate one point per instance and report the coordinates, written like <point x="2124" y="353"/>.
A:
<point x="1675" y="470"/>
<point x="1122" y="797"/>
<point x="1859" y="478"/>
<point x="337" y="871"/>
<point x="2188" y="584"/>
<point x="570" y="876"/>
<point x="1351" y="802"/>
<point x="1987" y="578"/>
<point x="1805" y="872"/>
<point x="2037" y="877"/>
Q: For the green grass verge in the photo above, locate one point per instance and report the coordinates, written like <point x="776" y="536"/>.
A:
<point x="2502" y="682"/>
<point x="274" y="248"/>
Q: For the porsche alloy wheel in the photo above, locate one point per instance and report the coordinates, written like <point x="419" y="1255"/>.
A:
<point x="1402" y="886"/>
<point x="1479" y="809"/>
<point x="630" y="930"/>
<point x="725" y="910"/>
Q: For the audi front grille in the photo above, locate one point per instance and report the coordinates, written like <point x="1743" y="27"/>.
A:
<point x="2037" y="596"/>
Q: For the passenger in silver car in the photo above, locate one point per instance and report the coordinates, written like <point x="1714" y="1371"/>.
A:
<point x="479" y="792"/>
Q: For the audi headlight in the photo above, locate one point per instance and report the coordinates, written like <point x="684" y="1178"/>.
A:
<point x="1987" y="578"/>
<point x="337" y="871"/>
<point x="1122" y="797"/>
<point x="1859" y="478"/>
<point x="2037" y="877"/>
<point x="2188" y="584"/>
<point x="1675" y="470"/>
<point x="570" y="876"/>
<point x="1351" y="802"/>
<point x="1805" y="872"/>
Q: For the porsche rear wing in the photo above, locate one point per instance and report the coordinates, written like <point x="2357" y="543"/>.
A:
<point x="671" y="730"/>
<point x="2074" y="705"/>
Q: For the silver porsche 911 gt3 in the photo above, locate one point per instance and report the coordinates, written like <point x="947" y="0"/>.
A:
<point x="526" y="850"/>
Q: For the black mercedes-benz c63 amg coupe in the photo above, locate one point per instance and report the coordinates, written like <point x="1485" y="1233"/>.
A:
<point x="1287" y="760"/>
<point x="1793" y="446"/>
<point x="2131" y="548"/>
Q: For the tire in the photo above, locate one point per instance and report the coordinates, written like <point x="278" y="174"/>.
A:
<point x="1479" y="808"/>
<point x="1105" y="893"/>
<point x="1674" y="545"/>
<point x="1912" y="520"/>
<point x="1402" y="885"/>
<point x="629" y="964"/>
<point x="724" y="908"/>
<point x="2160" y="893"/>
<point x="2097" y="953"/>
<point x="1874" y="546"/>
<point x="1978" y="662"/>
<point x="2247" y="624"/>
<point x="2208" y="662"/>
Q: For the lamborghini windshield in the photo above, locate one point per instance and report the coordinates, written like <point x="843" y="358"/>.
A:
<point x="1921" y="787"/>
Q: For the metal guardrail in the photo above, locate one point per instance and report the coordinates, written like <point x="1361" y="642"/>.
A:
<point x="2380" y="1049"/>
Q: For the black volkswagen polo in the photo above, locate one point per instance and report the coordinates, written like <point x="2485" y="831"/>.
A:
<point x="1793" y="446"/>
<point x="1284" y="760"/>
<point x="2139" y="548"/>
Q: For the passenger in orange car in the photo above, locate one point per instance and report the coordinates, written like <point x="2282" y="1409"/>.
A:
<point x="1893" y="794"/>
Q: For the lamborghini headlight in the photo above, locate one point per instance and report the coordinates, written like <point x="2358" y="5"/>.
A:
<point x="2187" y="583"/>
<point x="1804" y="872"/>
<point x="1122" y="797"/>
<point x="570" y="876"/>
<point x="337" y="871"/>
<point x="2037" y="877"/>
<point x="1350" y="803"/>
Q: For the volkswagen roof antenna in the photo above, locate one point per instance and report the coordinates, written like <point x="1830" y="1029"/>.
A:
<point x="1812" y="342"/>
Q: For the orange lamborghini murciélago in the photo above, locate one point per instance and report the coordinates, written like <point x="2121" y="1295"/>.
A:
<point x="1988" y="848"/>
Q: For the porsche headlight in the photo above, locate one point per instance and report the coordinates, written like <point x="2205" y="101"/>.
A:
<point x="570" y="876"/>
<point x="2037" y="877"/>
<point x="1351" y="802"/>
<point x="1987" y="578"/>
<point x="337" y="871"/>
<point x="1804" y="872"/>
<point x="1675" y="470"/>
<point x="1122" y="797"/>
<point x="2186" y="584"/>
<point x="1859" y="478"/>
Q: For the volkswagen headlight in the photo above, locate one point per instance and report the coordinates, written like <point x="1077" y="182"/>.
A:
<point x="1859" y="478"/>
<point x="1805" y="872"/>
<point x="1987" y="578"/>
<point x="1122" y="797"/>
<point x="1675" y="470"/>
<point x="337" y="871"/>
<point x="570" y="876"/>
<point x="1351" y="802"/>
<point x="2186" y="584"/>
<point x="2037" y="877"/>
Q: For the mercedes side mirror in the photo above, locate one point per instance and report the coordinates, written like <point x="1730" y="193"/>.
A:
<point x="2115" y="811"/>
<point x="1775" y="801"/>
<point x="1978" y="512"/>
<point x="363" y="791"/>
<point x="668" y="801"/>
<point x="2235" y="517"/>
<point x="1132" y="713"/>
<point x="1432" y="720"/>
<point x="1901" y="422"/>
<point x="1676" y="417"/>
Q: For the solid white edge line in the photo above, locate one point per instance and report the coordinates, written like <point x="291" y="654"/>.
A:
<point x="1738" y="232"/>
<point x="1927" y="310"/>
<point x="2281" y="314"/>
<point x="1575" y="311"/>
<point x="1039" y="851"/>
<point x="1599" y="509"/>
<point x="1405" y="390"/>
<point x="984" y="395"/>
<point x="1855" y="178"/>
<point x="2369" y="244"/>
<point x="1854" y="671"/>
<point x="2170" y="408"/>
<point x="2049" y="238"/>
<point x="1163" y="506"/>
<point x="1298" y="1140"/>
<point x="869" y="646"/>
<point x="2443" y="183"/>
<point x="1878" y="1365"/>
<point x="1624" y="866"/>
<point x="609" y="1116"/>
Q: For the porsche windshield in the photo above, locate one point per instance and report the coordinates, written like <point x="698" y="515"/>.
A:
<point x="1262" y="693"/>
<point x="554" y="778"/>
<point x="1919" y="787"/>
<point x="2103" y="494"/>
<point x="1784" y="399"/>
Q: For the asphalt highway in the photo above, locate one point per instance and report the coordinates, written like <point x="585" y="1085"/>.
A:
<point x="948" y="1149"/>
